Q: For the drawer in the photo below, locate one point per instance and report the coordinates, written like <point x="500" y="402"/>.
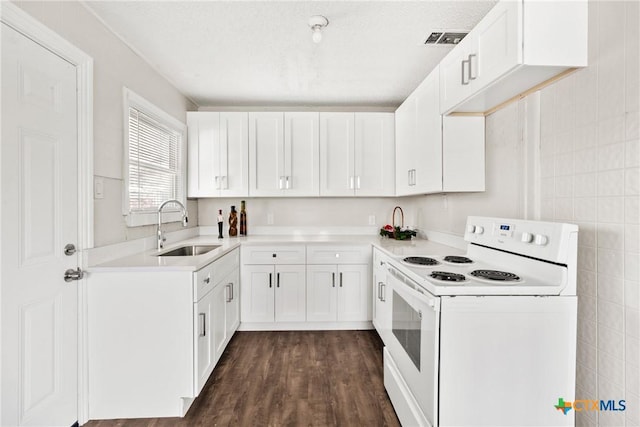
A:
<point x="209" y="276"/>
<point x="204" y="281"/>
<point x="379" y="261"/>
<point x="273" y="254"/>
<point x="343" y="254"/>
<point x="225" y="265"/>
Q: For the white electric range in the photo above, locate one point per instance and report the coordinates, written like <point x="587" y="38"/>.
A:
<point x="486" y="338"/>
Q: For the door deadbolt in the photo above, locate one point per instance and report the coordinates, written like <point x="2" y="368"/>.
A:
<point x="69" y="249"/>
<point x="72" y="274"/>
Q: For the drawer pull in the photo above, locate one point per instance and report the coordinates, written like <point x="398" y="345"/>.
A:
<point x="270" y="280"/>
<point x="207" y="279"/>
<point x="340" y="279"/>
<point x="203" y="324"/>
<point x="278" y="279"/>
<point x="333" y="280"/>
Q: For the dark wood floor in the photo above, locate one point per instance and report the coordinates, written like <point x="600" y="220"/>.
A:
<point x="303" y="378"/>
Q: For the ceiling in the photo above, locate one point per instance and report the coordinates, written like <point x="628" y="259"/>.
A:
<point x="260" y="53"/>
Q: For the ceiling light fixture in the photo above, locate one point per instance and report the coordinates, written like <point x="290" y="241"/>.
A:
<point x="317" y="23"/>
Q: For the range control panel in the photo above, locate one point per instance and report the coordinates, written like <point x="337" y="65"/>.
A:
<point x="545" y="240"/>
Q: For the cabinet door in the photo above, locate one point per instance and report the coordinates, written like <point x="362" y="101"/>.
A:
<point x="234" y="154"/>
<point x="290" y="295"/>
<point x="463" y="166"/>
<point x="266" y="154"/>
<point x="203" y="144"/>
<point x="497" y="43"/>
<point x="219" y="327"/>
<point x="337" y="139"/>
<point x="203" y="339"/>
<point x="257" y="290"/>
<point x="381" y="305"/>
<point x="374" y="154"/>
<point x="455" y="85"/>
<point x="301" y="152"/>
<point x="322" y="293"/>
<point x="405" y="158"/>
<point x="427" y="145"/>
<point x="354" y="293"/>
<point x="232" y="311"/>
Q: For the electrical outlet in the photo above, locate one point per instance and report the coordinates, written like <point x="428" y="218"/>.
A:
<point x="372" y="220"/>
<point x="269" y="218"/>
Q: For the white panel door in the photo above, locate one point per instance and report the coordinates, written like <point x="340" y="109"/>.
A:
<point x="203" y="154"/>
<point x="301" y="151"/>
<point x="204" y="340"/>
<point x="405" y="125"/>
<point x="374" y="154"/>
<point x="257" y="303"/>
<point x="232" y="311"/>
<point x="234" y="154"/>
<point x="354" y="302"/>
<point x="337" y="139"/>
<point x="290" y="300"/>
<point x="427" y="177"/>
<point x="321" y="293"/>
<point x="497" y="43"/>
<point x="219" y="323"/>
<point x="39" y="217"/>
<point x="266" y="154"/>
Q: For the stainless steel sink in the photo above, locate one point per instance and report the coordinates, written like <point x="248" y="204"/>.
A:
<point x="191" y="250"/>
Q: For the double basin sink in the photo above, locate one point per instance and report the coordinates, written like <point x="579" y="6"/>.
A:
<point x="189" y="250"/>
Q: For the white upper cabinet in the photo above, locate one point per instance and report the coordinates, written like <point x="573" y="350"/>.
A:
<point x="217" y="154"/>
<point x="509" y="52"/>
<point x="283" y="154"/>
<point x="357" y="155"/>
<point x="419" y="140"/>
<point x="435" y="153"/>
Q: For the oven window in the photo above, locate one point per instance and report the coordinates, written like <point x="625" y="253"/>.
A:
<point x="406" y="327"/>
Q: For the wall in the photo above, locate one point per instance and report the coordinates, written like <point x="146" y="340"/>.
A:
<point x="589" y="175"/>
<point x="310" y="213"/>
<point x="115" y="66"/>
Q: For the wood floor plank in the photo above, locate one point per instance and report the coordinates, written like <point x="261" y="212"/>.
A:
<point x="291" y="378"/>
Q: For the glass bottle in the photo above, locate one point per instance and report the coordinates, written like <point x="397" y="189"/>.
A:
<point x="233" y="222"/>
<point x="243" y="219"/>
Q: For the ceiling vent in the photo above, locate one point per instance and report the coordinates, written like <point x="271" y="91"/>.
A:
<point x="445" y="37"/>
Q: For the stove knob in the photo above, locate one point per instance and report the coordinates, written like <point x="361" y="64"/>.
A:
<point x="526" y="237"/>
<point x="471" y="228"/>
<point x="541" y="240"/>
<point x="479" y="230"/>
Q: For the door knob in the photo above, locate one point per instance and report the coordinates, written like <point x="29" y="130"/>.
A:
<point x="72" y="274"/>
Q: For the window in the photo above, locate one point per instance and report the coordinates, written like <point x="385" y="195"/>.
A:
<point x="154" y="161"/>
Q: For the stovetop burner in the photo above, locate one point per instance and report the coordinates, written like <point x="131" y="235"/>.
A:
<point x="419" y="260"/>
<point x="501" y="276"/>
<point x="445" y="276"/>
<point x="455" y="259"/>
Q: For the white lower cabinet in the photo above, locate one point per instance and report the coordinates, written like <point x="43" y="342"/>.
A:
<point x="337" y="293"/>
<point x="381" y="316"/>
<point x="154" y="337"/>
<point x="273" y="293"/>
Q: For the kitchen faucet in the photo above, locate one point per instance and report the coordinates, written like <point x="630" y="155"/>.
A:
<point x="159" y="233"/>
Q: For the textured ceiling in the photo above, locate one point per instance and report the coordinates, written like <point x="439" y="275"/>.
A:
<point x="248" y="53"/>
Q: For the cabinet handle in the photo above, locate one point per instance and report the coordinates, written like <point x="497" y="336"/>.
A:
<point x="207" y="279"/>
<point x="409" y="177"/>
<point x="278" y="279"/>
<point x="340" y="279"/>
<point x="286" y="182"/>
<point x="225" y="181"/>
<point x="379" y="289"/>
<point x="358" y="182"/>
<point x="413" y="179"/>
<point x="232" y="295"/>
<point x="333" y="280"/>
<point x="270" y="280"/>
<point x="383" y="291"/>
<point x="203" y="324"/>
<point x="471" y="75"/>
<point x="217" y="180"/>
<point x="464" y="82"/>
<point x="229" y="292"/>
<point x="351" y="182"/>
<point x="280" y="182"/>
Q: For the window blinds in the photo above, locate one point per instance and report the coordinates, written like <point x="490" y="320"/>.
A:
<point x="154" y="163"/>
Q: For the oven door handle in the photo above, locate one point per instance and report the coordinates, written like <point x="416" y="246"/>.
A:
<point x="409" y="286"/>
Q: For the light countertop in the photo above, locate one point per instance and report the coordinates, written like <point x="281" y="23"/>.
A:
<point x="149" y="261"/>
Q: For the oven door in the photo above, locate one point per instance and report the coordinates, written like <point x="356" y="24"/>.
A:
<point x="414" y="340"/>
